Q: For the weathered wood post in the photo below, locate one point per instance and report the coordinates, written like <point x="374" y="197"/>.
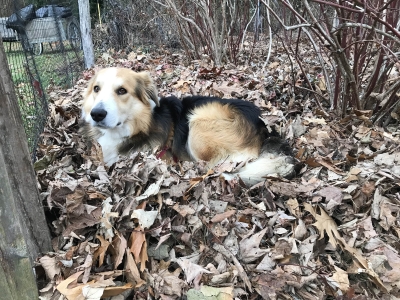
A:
<point x="86" y="33"/>
<point x="23" y="229"/>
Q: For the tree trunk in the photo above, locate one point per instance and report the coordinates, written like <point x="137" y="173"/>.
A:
<point x="23" y="230"/>
<point x="86" y="33"/>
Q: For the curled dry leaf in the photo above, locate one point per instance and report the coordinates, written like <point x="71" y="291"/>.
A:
<point x="72" y="293"/>
<point x="50" y="266"/>
<point x="220" y="217"/>
<point x="138" y="247"/>
<point x="191" y="269"/>
<point x="119" y="245"/>
<point x="300" y="231"/>
<point x="249" y="247"/>
<point x="101" y="251"/>
<point x="339" y="279"/>
<point x="146" y="218"/>
<point x="133" y="274"/>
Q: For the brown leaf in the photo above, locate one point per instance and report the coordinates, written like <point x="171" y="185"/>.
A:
<point x="271" y="285"/>
<point x="72" y="293"/>
<point x="191" y="270"/>
<point x="368" y="188"/>
<point x="341" y="279"/>
<point x="293" y="206"/>
<point x="169" y="283"/>
<point x="50" y="266"/>
<point x="116" y="290"/>
<point x="329" y="165"/>
<point x="324" y="224"/>
<point x="119" y="245"/>
<point x="249" y="247"/>
<point x="143" y="257"/>
<point x="133" y="275"/>
<point x="101" y="251"/>
<point x="183" y="210"/>
<point x="333" y="196"/>
<point x="136" y="242"/>
<point x="327" y="224"/>
<point x="74" y="202"/>
<point x="195" y="181"/>
<point x="291" y="189"/>
<point x="220" y="217"/>
<point x="82" y="221"/>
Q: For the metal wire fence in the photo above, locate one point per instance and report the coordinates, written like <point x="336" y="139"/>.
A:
<point x="43" y="48"/>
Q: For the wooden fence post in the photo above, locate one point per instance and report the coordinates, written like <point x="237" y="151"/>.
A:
<point x="86" y="33"/>
<point x="23" y="229"/>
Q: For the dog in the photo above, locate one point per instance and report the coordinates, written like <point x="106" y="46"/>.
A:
<point x="122" y="111"/>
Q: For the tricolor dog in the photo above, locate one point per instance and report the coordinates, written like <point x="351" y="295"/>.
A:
<point x="122" y="111"/>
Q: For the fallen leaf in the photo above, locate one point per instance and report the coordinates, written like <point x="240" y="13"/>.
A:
<point x="146" y="218"/>
<point x="220" y="217"/>
<point x="191" y="270"/>
<point x="138" y="247"/>
<point x="50" y="266"/>
<point x="101" y="251"/>
<point x="134" y="275"/>
<point x="339" y="279"/>
<point x="210" y="293"/>
<point x="72" y="293"/>
<point x="249" y="247"/>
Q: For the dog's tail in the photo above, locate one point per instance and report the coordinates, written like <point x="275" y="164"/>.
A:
<point x="276" y="158"/>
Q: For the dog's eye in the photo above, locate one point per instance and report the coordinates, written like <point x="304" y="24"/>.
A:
<point x="96" y="89"/>
<point x="121" y="91"/>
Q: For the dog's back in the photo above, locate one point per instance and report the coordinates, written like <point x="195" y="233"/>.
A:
<point x="223" y="129"/>
<point x="231" y="130"/>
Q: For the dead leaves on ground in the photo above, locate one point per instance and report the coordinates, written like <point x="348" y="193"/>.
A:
<point x="160" y="231"/>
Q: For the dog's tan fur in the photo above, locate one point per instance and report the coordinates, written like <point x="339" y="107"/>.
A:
<point x="217" y="131"/>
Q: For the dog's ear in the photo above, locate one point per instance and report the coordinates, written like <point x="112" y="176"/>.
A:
<point x="146" y="89"/>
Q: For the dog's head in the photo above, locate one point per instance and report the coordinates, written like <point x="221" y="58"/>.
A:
<point x="118" y="97"/>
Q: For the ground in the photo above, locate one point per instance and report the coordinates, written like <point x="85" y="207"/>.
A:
<point x="147" y="229"/>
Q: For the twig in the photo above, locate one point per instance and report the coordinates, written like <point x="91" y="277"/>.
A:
<point x="287" y="28"/>
<point x="270" y="39"/>
<point x="343" y="25"/>
<point x="245" y="30"/>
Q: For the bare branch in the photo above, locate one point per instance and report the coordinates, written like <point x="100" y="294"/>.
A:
<point x="281" y="21"/>
<point x="270" y="39"/>
<point x="245" y="30"/>
<point x="343" y="25"/>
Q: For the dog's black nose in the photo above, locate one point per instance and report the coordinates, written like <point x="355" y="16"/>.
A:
<point x="98" y="114"/>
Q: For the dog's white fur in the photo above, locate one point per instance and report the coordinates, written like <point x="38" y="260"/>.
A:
<point x="255" y="171"/>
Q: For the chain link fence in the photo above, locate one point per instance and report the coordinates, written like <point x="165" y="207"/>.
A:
<point x="43" y="47"/>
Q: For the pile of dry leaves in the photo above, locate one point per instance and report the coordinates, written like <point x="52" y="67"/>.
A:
<point x="148" y="229"/>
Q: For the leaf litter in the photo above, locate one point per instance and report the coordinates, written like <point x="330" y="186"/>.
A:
<point x="152" y="229"/>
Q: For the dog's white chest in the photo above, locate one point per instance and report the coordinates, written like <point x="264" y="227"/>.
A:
<point x="110" y="141"/>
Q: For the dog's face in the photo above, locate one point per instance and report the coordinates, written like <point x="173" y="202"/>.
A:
<point x="118" y="97"/>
